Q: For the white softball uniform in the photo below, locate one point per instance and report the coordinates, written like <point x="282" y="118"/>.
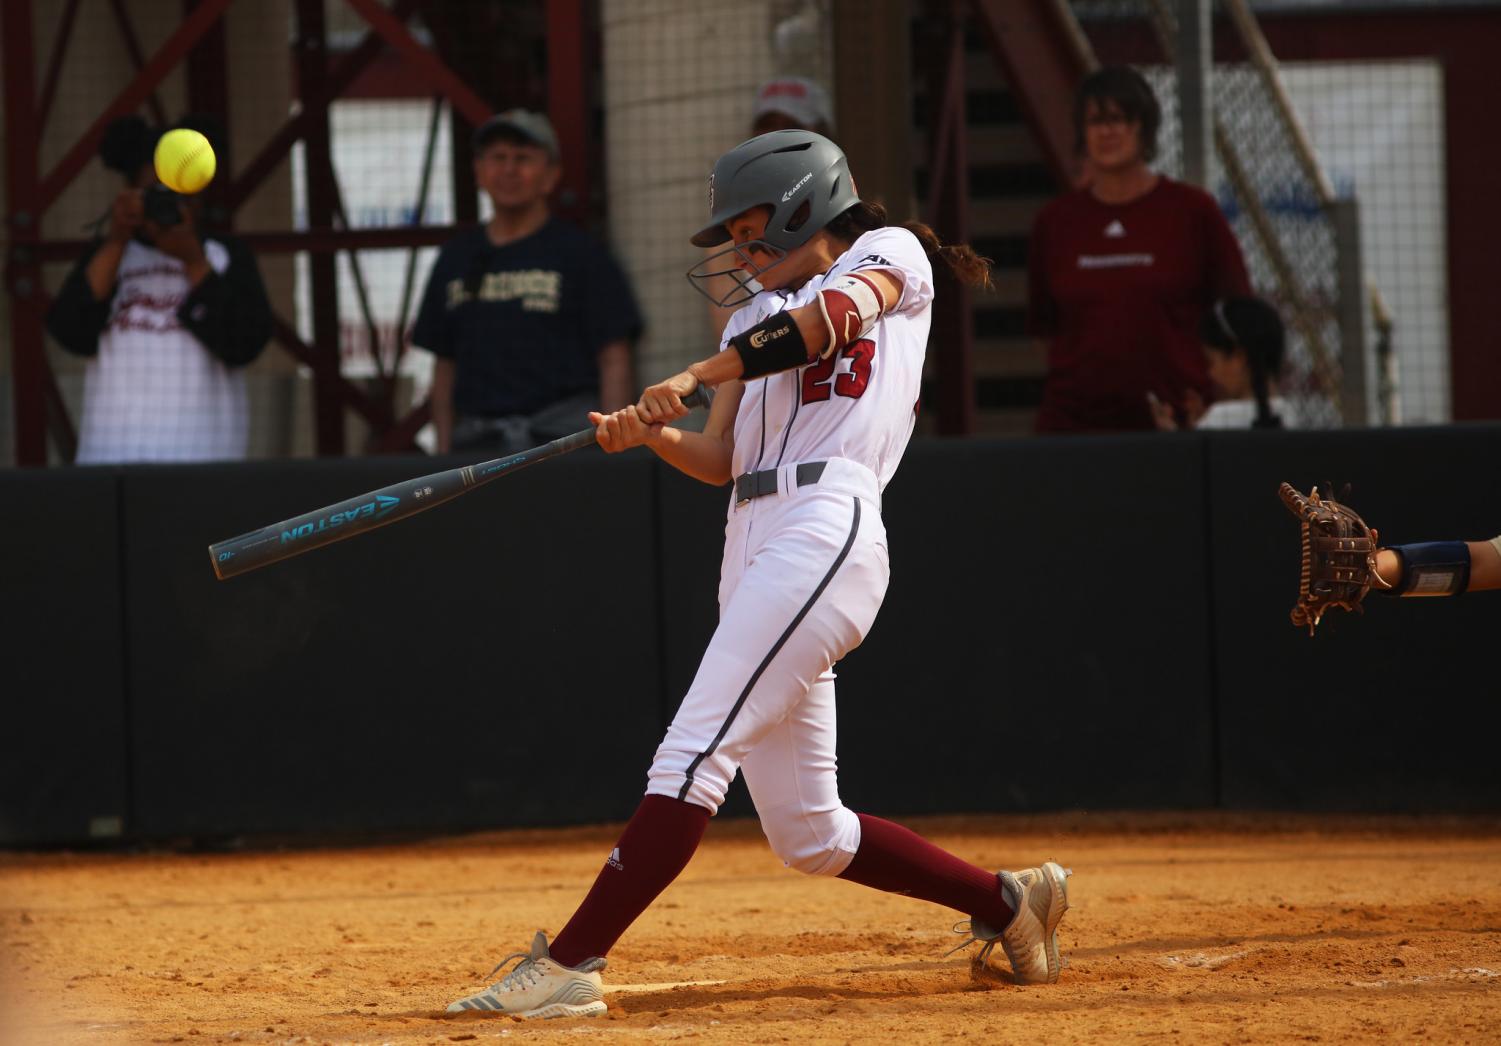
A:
<point x="154" y="393"/>
<point x="805" y="568"/>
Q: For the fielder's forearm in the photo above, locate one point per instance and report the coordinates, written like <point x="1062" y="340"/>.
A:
<point x="1485" y="566"/>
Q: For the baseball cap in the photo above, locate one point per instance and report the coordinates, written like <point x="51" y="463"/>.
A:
<point x="804" y="100"/>
<point x="534" y="127"/>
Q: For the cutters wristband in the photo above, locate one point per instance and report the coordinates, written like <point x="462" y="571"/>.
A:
<point x="775" y="344"/>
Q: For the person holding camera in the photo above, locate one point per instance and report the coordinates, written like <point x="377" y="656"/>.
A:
<point x="167" y="317"/>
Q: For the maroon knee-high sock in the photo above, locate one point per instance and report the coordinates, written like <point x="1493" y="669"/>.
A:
<point x="653" y="849"/>
<point x="898" y="860"/>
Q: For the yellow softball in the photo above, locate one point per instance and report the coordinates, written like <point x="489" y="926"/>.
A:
<point x="184" y="160"/>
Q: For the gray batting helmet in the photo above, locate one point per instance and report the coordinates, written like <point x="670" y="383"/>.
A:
<point x="783" y="170"/>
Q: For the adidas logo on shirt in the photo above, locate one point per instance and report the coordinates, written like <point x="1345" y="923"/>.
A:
<point x="614" y="860"/>
<point x="1115" y="230"/>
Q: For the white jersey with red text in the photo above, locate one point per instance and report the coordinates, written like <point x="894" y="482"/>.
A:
<point x="859" y="404"/>
<point x="153" y="392"/>
<point x="805" y="569"/>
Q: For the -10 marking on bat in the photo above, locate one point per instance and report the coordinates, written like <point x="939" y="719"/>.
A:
<point x="379" y="507"/>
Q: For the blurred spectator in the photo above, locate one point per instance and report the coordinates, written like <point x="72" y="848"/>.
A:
<point x="1244" y="344"/>
<point x="167" y="316"/>
<point x="1122" y="270"/>
<point x="530" y="318"/>
<point x="790" y="103"/>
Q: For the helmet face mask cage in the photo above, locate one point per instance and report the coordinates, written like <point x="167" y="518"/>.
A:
<point x="735" y="262"/>
<point x="801" y="177"/>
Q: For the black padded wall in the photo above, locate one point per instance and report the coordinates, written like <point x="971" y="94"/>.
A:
<point x="1089" y="622"/>
<point x="477" y="665"/>
<point x="1392" y="710"/>
<point x="1044" y="641"/>
<point x="63" y="758"/>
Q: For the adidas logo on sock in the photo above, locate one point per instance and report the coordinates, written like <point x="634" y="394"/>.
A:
<point x="1115" y="229"/>
<point x="614" y="860"/>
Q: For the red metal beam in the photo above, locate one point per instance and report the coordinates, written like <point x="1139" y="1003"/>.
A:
<point x="388" y="387"/>
<point x="335" y="83"/>
<point x="208" y="94"/>
<point x="403" y="435"/>
<point x="208" y="76"/>
<point x="1043" y="68"/>
<point x="419" y="210"/>
<point x="343" y="391"/>
<point x="568" y="104"/>
<point x="464" y="101"/>
<point x="55" y="63"/>
<point x="177" y="45"/>
<point x="312" y="67"/>
<point x="59" y="425"/>
<point x="23" y="216"/>
<point x="396" y="237"/>
<point x="133" y="49"/>
<point x="439" y="20"/>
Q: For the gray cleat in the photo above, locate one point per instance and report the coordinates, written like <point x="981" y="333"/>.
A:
<point x="1030" y="940"/>
<point x="539" y="986"/>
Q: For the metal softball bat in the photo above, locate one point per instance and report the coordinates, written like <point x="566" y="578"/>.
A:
<point x="359" y="515"/>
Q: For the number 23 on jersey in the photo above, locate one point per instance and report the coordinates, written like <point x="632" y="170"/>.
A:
<point x="820" y="381"/>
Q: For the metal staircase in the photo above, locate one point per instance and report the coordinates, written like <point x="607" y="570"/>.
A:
<point x="1021" y="60"/>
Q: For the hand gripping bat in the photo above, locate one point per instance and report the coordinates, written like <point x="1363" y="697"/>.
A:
<point x="357" y="515"/>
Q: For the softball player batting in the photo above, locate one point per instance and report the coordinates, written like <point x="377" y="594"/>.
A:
<point x="818" y="380"/>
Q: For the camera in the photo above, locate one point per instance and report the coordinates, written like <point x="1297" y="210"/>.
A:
<point x="161" y="205"/>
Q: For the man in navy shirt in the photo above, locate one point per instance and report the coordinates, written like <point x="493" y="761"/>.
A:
<point x="531" y="319"/>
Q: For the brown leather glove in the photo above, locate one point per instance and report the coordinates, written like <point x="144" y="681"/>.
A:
<point x="1339" y="553"/>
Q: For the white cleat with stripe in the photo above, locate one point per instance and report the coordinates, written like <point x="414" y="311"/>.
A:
<point x="541" y="987"/>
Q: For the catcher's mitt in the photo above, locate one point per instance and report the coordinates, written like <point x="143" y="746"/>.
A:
<point x="1339" y="554"/>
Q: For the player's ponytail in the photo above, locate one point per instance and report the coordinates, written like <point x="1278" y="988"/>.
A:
<point x="1253" y="326"/>
<point x="961" y="260"/>
<point x="1264" y="419"/>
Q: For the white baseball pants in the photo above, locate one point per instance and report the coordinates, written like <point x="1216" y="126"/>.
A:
<point x="804" y="573"/>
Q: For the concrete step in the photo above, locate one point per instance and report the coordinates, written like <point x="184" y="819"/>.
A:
<point x="1008" y="182"/>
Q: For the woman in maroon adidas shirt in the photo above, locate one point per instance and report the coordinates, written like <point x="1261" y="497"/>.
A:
<point x="1120" y="271"/>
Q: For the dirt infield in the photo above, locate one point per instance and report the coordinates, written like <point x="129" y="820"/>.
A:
<point x="1197" y="929"/>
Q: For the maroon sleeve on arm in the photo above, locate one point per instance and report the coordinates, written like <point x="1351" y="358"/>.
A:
<point x="1228" y="276"/>
<point x="1042" y="307"/>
